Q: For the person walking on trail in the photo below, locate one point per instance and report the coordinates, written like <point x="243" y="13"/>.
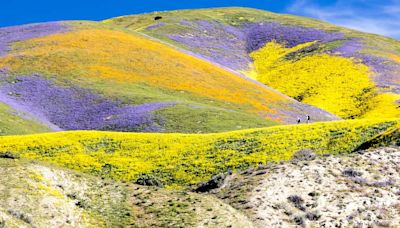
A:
<point x="308" y="119"/>
<point x="298" y="120"/>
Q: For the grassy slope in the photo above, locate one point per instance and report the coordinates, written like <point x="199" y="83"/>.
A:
<point x="389" y="138"/>
<point x="119" y="64"/>
<point x="381" y="106"/>
<point x="182" y="160"/>
<point x="35" y="195"/>
<point x="13" y="123"/>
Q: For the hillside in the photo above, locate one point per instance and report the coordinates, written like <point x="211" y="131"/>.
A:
<point x="361" y="190"/>
<point x="349" y="73"/>
<point x="88" y="76"/>
<point x="197" y="118"/>
<point x="183" y="160"/>
<point x="38" y="195"/>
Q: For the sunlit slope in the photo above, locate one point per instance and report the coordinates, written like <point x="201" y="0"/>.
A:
<point x="178" y="160"/>
<point x="37" y="195"/>
<point x="349" y="73"/>
<point x="92" y="77"/>
<point x="13" y="122"/>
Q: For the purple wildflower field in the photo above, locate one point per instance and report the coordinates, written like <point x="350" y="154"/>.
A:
<point x="155" y="26"/>
<point x="386" y="71"/>
<point x="79" y="109"/>
<point x="349" y="48"/>
<point x="24" y="32"/>
<point x="229" y="45"/>
<point x="258" y="34"/>
<point x="215" y="41"/>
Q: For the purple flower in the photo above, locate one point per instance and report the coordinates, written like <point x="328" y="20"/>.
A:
<point x="386" y="71"/>
<point x="349" y="48"/>
<point x="155" y="26"/>
<point x="79" y="109"/>
<point x="12" y="34"/>
<point x="229" y="45"/>
<point x="219" y="43"/>
<point x="258" y="34"/>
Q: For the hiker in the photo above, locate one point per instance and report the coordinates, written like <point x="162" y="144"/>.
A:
<point x="298" y="120"/>
<point x="308" y="118"/>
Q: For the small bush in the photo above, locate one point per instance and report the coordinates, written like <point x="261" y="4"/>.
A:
<point x="304" y="155"/>
<point x="9" y="155"/>
<point x="21" y="216"/>
<point x="297" y="202"/>
<point x="149" y="180"/>
<point x="351" y="173"/>
<point x="215" y="182"/>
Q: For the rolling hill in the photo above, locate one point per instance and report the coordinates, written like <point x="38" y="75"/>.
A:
<point x="187" y="119"/>
<point x="38" y="195"/>
<point x="246" y="167"/>
<point x="349" y="73"/>
<point x="87" y="76"/>
<point x="183" y="160"/>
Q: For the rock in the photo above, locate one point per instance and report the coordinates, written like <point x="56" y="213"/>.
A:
<point x="304" y="155"/>
<point x="215" y="182"/>
<point x="261" y="172"/>
<point x="247" y="172"/>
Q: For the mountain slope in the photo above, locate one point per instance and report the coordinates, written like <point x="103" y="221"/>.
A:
<point x="91" y="76"/>
<point x="349" y="73"/>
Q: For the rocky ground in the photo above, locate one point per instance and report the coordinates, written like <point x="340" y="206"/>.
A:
<point x="357" y="190"/>
<point x="37" y="195"/>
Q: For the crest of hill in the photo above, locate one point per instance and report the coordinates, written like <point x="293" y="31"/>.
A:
<point x="92" y="76"/>
<point x="309" y="57"/>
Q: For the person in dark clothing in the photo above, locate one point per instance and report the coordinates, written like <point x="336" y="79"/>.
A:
<point x="298" y="120"/>
<point x="308" y="118"/>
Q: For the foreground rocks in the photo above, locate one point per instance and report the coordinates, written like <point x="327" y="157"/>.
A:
<point x="358" y="190"/>
<point x="37" y="195"/>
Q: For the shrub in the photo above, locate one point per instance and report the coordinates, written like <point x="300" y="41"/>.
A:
<point x="9" y="155"/>
<point x="149" y="180"/>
